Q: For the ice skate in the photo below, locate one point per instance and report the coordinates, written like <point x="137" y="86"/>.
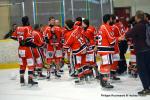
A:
<point x="48" y="76"/>
<point x="115" y="78"/>
<point x="78" y="81"/>
<point x="104" y="82"/>
<point x="57" y="75"/>
<point x="22" y="81"/>
<point x="31" y="82"/>
<point x="106" y="85"/>
<point x="144" y="92"/>
<point x="41" y="76"/>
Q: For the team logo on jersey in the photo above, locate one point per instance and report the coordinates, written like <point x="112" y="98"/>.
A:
<point x="50" y="54"/>
<point x="21" y="53"/>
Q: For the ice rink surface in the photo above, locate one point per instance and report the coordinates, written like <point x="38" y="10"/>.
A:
<point x="65" y="89"/>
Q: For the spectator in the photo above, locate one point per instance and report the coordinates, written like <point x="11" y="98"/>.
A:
<point x="13" y="28"/>
<point x="138" y="34"/>
<point x="147" y="17"/>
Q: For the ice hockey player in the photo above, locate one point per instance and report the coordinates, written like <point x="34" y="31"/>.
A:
<point x="67" y="55"/>
<point x="74" y="41"/>
<point x="24" y="37"/>
<point x="89" y="33"/>
<point x="38" y="40"/>
<point x="116" y="27"/>
<point x="57" y="23"/>
<point x="123" y="46"/>
<point x="105" y="48"/>
<point x="57" y="32"/>
<point x="50" y="38"/>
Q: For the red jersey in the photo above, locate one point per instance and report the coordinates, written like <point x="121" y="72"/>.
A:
<point x="74" y="41"/>
<point x="37" y="38"/>
<point x="77" y="23"/>
<point x="106" y="39"/>
<point x="119" y="29"/>
<point x="80" y="33"/>
<point x="64" y="30"/>
<point x="48" y="35"/>
<point x="57" y="32"/>
<point x="22" y="33"/>
<point x="89" y="35"/>
<point x="47" y="32"/>
<point x="116" y="31"/>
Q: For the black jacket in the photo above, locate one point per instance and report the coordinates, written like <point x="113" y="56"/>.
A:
<point x="138" y="35"/>
<point x="8" y="35"/>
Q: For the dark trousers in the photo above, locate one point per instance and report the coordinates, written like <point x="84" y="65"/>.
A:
<point x="123" y="46"/>
<point x="122" y="64"/>
<point x="143" y="65"/>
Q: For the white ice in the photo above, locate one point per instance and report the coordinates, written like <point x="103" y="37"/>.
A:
<point x="65" y="89"/>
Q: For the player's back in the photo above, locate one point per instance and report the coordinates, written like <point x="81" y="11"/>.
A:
<point x="73" y="41"/>
<point x="106" y="40"/>
<point x="107" y="35"/>
<point x="22" y="33"/>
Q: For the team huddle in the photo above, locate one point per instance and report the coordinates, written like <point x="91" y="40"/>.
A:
<point x="79" y="42"/>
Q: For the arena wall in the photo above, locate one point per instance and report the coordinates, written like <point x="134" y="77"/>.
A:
<point x="8" y="54"/>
